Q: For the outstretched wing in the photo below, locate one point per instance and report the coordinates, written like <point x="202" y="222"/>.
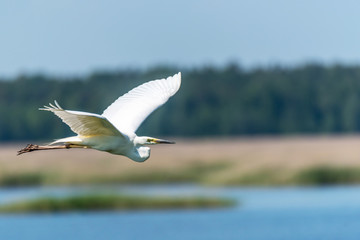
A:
<point x="130" y="110"/>
<point x="83" y="123"/>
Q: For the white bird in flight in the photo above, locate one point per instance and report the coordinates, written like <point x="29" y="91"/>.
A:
<point x="114" y="130"/>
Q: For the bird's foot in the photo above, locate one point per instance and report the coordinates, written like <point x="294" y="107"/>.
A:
<point x="28" y="148"/>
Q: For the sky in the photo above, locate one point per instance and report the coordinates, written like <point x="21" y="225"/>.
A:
<point x="70" y="37"/>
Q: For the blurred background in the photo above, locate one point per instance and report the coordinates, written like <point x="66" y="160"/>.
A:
<point x="268" y="116"/>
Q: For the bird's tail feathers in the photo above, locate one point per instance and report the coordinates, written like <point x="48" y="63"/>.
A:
<point x="72" y="140"/>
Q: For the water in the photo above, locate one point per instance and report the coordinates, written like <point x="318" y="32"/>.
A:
<point x="264" y="213"/>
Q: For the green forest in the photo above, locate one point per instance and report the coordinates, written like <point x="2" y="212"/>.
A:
<point x="212" y="101"/>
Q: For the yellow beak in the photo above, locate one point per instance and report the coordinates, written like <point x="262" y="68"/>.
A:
<point x="156" y="140"/>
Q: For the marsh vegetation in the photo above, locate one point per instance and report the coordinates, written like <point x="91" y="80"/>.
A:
<point x="102" y="202"/>
<point x="241" y="161"/>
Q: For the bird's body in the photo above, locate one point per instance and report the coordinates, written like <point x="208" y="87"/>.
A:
<point x="114" y="130"/>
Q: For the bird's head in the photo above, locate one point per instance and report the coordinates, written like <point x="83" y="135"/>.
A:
<point x="151" y="141"/>
<point x="140" y="152"/>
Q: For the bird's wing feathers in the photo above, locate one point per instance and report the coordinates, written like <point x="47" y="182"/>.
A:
<point x="83" y="123"/>
<point x="131" y="109"/>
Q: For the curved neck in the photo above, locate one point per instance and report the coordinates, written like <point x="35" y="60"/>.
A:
<point x="139" y="153"/>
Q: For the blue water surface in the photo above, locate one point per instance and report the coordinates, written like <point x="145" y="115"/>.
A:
<point x="262" y="213"/>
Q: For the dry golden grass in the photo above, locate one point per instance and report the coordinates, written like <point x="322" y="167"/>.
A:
<point x="239" y="160"/>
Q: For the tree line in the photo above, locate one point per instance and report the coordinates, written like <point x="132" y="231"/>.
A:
<point x="212" y="101"/>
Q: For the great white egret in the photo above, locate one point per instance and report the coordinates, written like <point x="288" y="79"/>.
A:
<point x="114" y="130"/>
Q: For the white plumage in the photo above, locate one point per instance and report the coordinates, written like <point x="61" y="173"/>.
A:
<point x="138" y="103"/>
<point x="114" y="130"/>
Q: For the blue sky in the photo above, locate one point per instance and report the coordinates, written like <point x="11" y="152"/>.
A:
<point x="76" y="37"/>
